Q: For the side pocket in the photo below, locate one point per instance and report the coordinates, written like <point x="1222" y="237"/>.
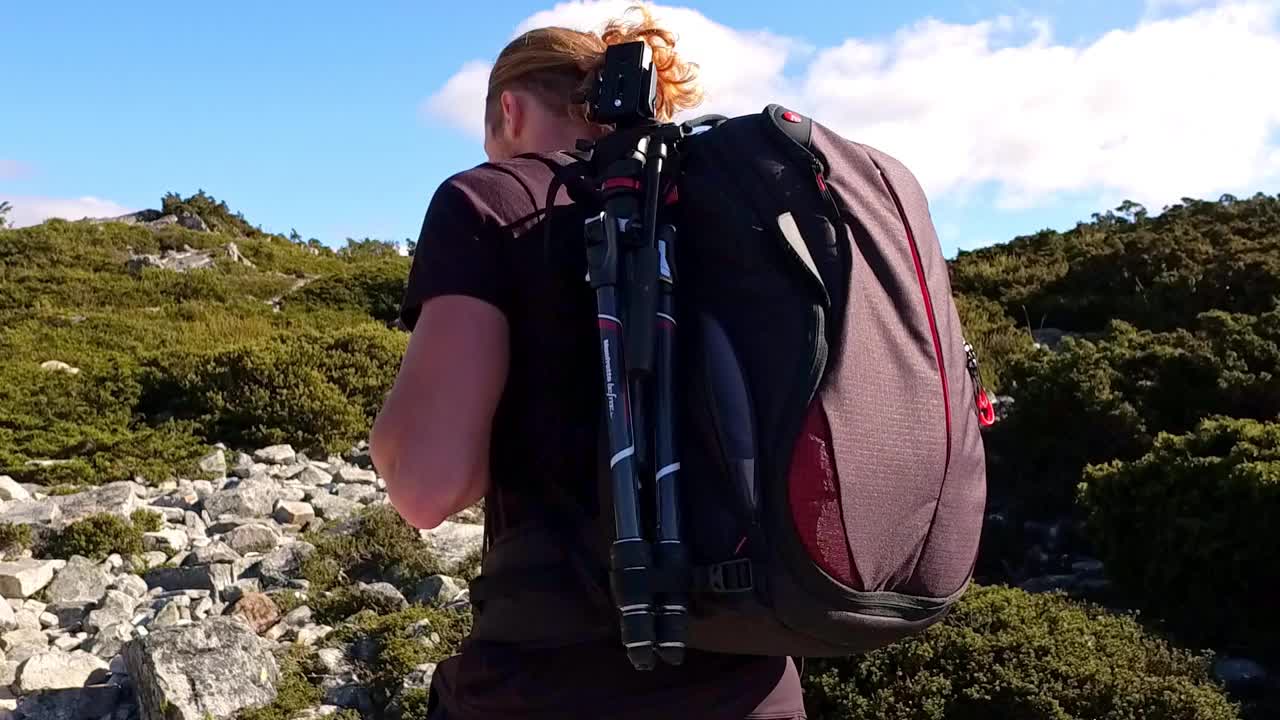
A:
<point x="730" y="416"/>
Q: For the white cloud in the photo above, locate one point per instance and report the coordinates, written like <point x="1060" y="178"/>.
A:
<point x="33" y="210"/>
<point x="1177" y="105"/>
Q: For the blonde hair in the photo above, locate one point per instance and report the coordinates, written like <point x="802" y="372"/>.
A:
<point x="558" y="66"/>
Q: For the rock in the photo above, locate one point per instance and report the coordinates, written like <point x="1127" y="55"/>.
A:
<point x="436" y="590"/>
<point x="96" y="702"/>
<point x="473" y="515"/>
<point x="313" y="476"/>
<point x="11" y="490"/>
<point x="257" y="538"/>
<point x="30" y="512"/>
<point x="332" y="507"/>
<point x="350" y="695"/>
<point x="1242" y="677"/>
<point x="70" y="615"/>
<point x="20" y="644"/>
<point x="312" y="634"/>
<point x="115" y="608"/>
<point x="24" y="578"/>
<point x="55" y="670"/>
<point x="169" y="542"/>
<point x="1089" y="568"/>
<point x="68" y="643"/>
<point x="118" y="498"/>
<point x="454" y="543"/>
<point x="215" y="464"/>
<point x="110" y="640"/>
<point x="1049" y="583"/>
<point x="215" y="552"/>
<point x="7" y="619"/>
<point x="420" y="677"/>
<point x="243" y="467"/>
<point x="214" y="577"/>
<point x="80" y="580"/>
<point x="253" y="497"/>
<point x="28" y="619"/>
<point x="131" y="585"/>
<point x="233" y="252"/>
<point x="276" y="455"/>
<point x="59" y="366"/>
<point x="294" y="513"/>
<point x="216" y="667"/>
<point x="170" y="615"/>
<point x="387" y="594"/>
<point x="359" y="493"/>
<point x="258" y="610"/>
<point x="348" y="474"/>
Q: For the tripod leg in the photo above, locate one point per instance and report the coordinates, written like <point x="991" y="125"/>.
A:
<point x="672" y="553"/>
<point x="630" y="554"/>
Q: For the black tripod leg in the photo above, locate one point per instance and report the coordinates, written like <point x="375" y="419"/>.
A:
<point x="630" y="554"/>
<point x="672" y="553"/>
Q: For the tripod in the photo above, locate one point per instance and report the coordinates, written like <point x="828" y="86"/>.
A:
<point x="631" y="267"/>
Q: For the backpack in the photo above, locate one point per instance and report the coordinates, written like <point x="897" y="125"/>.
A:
<point x="828" y="412"/>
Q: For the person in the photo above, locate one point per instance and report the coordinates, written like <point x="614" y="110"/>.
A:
<point x="497" y="396"/>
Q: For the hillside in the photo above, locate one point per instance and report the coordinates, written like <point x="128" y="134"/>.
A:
<point x="183" y="400"/>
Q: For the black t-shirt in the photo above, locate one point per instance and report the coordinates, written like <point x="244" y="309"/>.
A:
<point x="485" y="236"/>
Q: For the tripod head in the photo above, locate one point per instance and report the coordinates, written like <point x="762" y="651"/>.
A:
<point x="625" y="94"/>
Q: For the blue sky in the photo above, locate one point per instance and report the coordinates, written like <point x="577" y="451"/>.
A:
<point x="317" y="115"/>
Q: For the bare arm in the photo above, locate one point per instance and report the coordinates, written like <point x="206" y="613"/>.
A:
<point x="431" y="439"/>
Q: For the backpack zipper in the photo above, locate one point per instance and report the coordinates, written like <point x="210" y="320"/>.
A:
<point x="933" y="321"/>
<point x="986" y="412"/>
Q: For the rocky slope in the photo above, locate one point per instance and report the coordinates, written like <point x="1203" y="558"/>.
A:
<point x="193" y="626"/>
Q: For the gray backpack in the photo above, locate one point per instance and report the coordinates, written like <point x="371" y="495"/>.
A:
<point x="832" y="467"/>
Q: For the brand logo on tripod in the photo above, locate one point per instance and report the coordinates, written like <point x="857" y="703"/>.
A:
<point x="608" y="378"/>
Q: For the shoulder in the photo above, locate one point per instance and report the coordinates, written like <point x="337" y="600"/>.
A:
<point x="506" y="191"/>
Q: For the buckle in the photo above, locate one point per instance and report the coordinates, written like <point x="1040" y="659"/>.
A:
<point x="731" y="576"/>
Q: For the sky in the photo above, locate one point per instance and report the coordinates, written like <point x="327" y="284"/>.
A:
<point x="340" y="120"/>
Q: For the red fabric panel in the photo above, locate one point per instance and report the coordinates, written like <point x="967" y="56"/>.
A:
<point x="813" y="490"/>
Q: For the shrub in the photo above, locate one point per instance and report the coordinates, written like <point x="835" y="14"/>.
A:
<point x="147" y="520"/>
<point x="1117" y="391"/>
<point x="95" y="537"/>
<point x="1003" y="653"/>
<point x="375" y="288"/>
<point x="393" y="644"/>
<point x="312" y="390"/>
<point x="376" y="545"/>
<point x="994" y="336"/>
<point x="1187" y="531"/>
<point x="1154" y="272"/>
<point x="215" y="213"/>
<point x="296" y="690"/>
<point x="14" y="539"/>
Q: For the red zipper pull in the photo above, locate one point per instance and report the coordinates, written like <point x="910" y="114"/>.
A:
<point x="986" y="411"/>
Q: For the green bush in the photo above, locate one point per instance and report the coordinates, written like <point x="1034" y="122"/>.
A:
<point x="1115" y="392"/>
<point x="315" y="389"/>
<point x="996" y="339"/>
<point x="376" y="545"/>
<point x="1188" y="532"/>
<point x="1154" y="272"/>
<point x="147" y="520"/>
<point x="1007" y="655"/>
<point x="215" y="213"/>
<point x="400" y="642"/>
<point x="95" y="537"/>
<point x="14" y="539"/>
<point x="296" y="690"/>
<point x="374" y="288"/>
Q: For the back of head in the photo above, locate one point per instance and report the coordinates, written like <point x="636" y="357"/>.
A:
<point x="558" y="66"/>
